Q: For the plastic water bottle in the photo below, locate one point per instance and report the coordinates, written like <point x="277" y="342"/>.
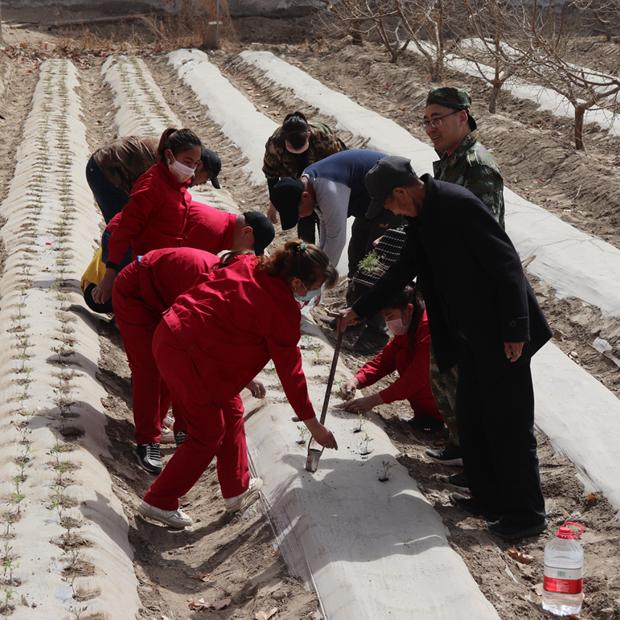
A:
<point x="563" y="583"/>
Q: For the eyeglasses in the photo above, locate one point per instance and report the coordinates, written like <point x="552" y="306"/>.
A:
<point x="437" y="121"/>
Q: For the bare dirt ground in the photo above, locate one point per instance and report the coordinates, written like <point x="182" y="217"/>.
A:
<point x="233" y="564"/>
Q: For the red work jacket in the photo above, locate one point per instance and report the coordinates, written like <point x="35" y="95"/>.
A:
<point x="411" y="358"/>
<point x="148" y="286"/>
<point x="234" y="323"/>
<point x="209" y="228"/>
<point x="154" y="216"/>
<point x="167" y="273"/>
<point x="206" y="228"/>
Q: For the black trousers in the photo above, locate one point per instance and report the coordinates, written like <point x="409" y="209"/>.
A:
<point x="110" y="199"/>
<point x="495" y="417"/>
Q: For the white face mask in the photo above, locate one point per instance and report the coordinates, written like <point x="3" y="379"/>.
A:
<point x="397" y="327"/>
<point x="310" y="295"/>
<point x="182" y="172"/>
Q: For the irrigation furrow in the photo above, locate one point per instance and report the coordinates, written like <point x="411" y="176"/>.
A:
<point x="65" y="551"/>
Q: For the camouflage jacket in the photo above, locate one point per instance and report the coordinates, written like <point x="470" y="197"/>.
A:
<point x="278" y="162"/>
<point x="473" y="167"/>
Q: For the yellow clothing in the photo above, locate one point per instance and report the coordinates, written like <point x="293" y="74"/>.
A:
<point x="94" y="272"/>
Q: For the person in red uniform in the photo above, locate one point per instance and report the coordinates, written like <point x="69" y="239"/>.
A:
<point x="409" y="354"/>
<point x="211" y="343"/>
<point x="142" y="292"/>
<point x="207" y="228"/>
<point x="155" y="215"/>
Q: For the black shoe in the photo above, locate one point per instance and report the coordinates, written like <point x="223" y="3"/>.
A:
<point x="426" y="424"/>
<point x="516" y="532"/>
<point x="149" y="457"/>
<point x="448" y="455"/>
<point x="179" y="438"/>
<point x="457" y="480"/>
<point x="472" y="507"/>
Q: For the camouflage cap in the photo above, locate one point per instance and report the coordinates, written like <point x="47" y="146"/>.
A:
<point x="454" y="98"/>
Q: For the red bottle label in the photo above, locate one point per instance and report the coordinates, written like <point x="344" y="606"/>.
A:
<point x="563" y="586"/>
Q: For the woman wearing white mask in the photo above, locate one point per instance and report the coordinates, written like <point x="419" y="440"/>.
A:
<point x="408" y="353"/>
<point x="211" y="343"/>
<point x="156" y="213"/>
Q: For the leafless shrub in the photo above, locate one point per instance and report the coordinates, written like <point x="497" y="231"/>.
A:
<point x="545" y="39"/>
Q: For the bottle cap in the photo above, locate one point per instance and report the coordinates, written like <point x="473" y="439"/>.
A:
<point x="570" y="530"/>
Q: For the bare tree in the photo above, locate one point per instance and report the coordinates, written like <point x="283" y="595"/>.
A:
<point x="602" y="16"/>
<point x="492" y="24"/>
<point x="546" y="39"/>
<point x="428" y="25"/>
<point x="365" y="19"/>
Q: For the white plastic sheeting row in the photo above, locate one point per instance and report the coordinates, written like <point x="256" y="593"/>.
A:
<point x="48" y="232"/>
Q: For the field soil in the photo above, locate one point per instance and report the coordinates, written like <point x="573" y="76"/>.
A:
<point x="230" y="568"/>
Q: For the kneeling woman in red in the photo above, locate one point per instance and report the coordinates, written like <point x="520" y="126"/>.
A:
<point x="408" y="353"/>
<point x="210" y="344"/>
<point x="142" y="292"/>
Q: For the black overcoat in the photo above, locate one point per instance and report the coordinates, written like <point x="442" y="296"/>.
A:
<point x="469" y="273"/>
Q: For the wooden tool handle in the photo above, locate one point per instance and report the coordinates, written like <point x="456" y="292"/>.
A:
<point x="332" y="374"/>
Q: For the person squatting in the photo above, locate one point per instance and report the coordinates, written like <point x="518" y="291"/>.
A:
<point x="202" y="303"/>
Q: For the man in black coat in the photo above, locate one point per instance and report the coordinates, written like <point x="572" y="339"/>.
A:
<point x="484" y="317"/>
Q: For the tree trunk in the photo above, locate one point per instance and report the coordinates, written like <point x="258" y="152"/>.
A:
<point x="356" y="32"/>
<point x="496" y="87"/>
<point x="580" y="111"/>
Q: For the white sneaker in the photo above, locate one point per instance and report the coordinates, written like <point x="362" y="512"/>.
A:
<point x="247" y="498"/>
<point x="174" y="518"/>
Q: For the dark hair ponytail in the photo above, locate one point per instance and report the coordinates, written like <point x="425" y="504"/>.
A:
<point x="177" y="140"/>
<point x="298" y="259"/>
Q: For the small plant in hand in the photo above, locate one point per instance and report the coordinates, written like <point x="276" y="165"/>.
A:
<point x="370" y="263"/>
<point x="384" y="472"/>
<point x="303" y="435"/>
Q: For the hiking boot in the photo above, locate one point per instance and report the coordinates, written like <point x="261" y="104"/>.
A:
<point x="458" y="481"/>
<point x="149" y="457"/>
<point x="516" y="532"/>
<point x="472" y="507"/>
<point x="174" y="518"/>
<point x="245" y="499"/>
<point x="180" y="438"/>
<point x="448" y="455"/>
<point x="425" y="424"/>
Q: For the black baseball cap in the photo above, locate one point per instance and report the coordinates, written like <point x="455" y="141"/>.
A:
<point x="212" y="162"/>
<point x="453" y="98"/>
<point x="285" y="197"/>
<point x="264" y="232"/>
<point x="383" y="177"/>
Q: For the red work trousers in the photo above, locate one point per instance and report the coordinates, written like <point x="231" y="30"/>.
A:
<point x="136" y="323"/>
<point x="214" y="428"/>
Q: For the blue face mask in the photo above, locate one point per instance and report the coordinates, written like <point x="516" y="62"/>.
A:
<point x="310" y="295"/>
